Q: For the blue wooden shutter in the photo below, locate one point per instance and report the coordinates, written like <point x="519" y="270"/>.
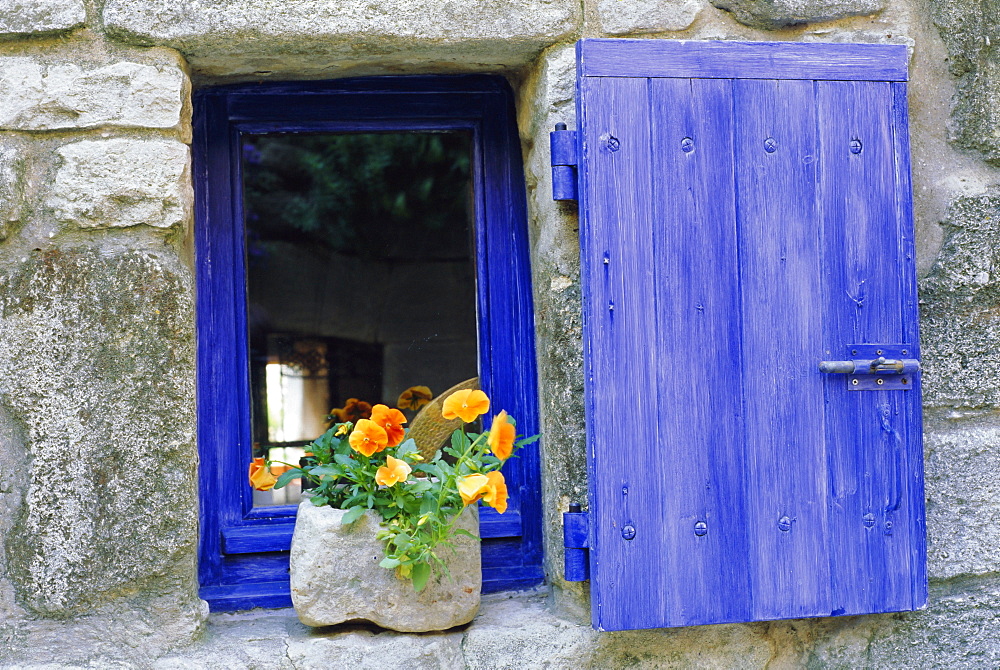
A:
<point x="745" y="215"/>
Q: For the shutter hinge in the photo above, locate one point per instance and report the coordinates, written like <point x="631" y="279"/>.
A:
<point x="576" y="543"/>
<point x="562" y="146"/>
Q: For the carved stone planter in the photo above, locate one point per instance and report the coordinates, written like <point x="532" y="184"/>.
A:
<point x="336" y="577"/>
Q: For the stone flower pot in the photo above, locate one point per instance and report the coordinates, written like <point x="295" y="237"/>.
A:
<point x="336" y="576"/>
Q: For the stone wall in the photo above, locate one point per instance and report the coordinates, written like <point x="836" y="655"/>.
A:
<point x="96" y="320"/>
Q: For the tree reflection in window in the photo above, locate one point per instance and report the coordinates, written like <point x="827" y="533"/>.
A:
<point x="360" y="276"/>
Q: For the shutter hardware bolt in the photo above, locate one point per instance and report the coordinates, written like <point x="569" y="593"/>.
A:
<point x="784" y="524"/>
<point x="854" y="382"/>
<point x="628" y="532"/>
<point x="700" y="528"/>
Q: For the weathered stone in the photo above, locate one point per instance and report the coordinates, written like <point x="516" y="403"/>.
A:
<point x="120" y="183"/>
<point x="633" y="17"/>
<point x="960" y="308"/>
<point x="957" y="630"/>
<point x="963" y="493"/>
<point x="40" y="95"/>
<point x="12" y="187"/>
<point x="771" y="14"/>
<point x="25" y="17"/>
<point x="548" y="98"/>
<point x="97" y="377"/>
<point x="315" y="37"/>
<point x="375" y="650"/>
<point x="969" y="28"/>
<point x="336" y="576"/>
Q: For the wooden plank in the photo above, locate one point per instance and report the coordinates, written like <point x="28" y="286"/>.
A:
<point x="743" y="60"/>
<point x="776" y="159"/>
<point x="872" y="524"/>
<point x="697" y="306"/>
<point x="913" y="468"/>
<point x="617" y="265"/>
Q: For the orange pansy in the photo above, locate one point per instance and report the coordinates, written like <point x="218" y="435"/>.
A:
<point x="393" y="472"/>
<point x="353" y="410"/>
<point x="496" y="491"/>
<point x="466" y="405"/>
<point x="368" y="437"/>
<point x="391" y="421"/>
<point x="261" y="477"/>
<point x="414" y="398"/>
<point x="472" y="487"/>
<point x="501" y="439"/>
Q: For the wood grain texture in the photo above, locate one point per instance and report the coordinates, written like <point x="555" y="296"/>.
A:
<point x="480" y="105"/>
<point x="776" y="158"/>
<point x="869" y="437"/>
<point x="620" y="317"/>
<point x="699" y="418"/>
<point x="744" y="60"/>
<point x="778" y="223"/>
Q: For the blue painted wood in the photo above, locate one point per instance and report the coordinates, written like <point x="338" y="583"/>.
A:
<point x="699" y="419"/>
<point x="913" y="464"/>
<point x="871" y="436"/>
<point x="481" y="105"/>
<point x="761" y="225"/>
<point x="744" y="60"/>
<point x="776" y="158"/>
<point x="617" y="264"/>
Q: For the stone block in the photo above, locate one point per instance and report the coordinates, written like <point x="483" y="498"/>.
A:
<point x="771" y="14"/>
<point x="36" y="94"/>
<point x="336" y="576"/>
<point x="966" y="27"/>
<point x="634" y="17"/>
<point x="97" y="374"/>
<point x="963" y="493"/>
<point x="12" y="186"/>
<point x="320" y="38"/>
<point x="26" y="17"/>
<point x="959" y="319"/>
<point x="120" y="183"/>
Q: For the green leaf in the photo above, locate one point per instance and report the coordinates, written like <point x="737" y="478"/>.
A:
<point x="421" y="571"/>
<point x="287" y="476"/>
<point x="528" y="440"/>
<point x="462" y="531"/>
<point x="352" y="515"/>
<point x="320" y="470"/>
<point x="343" y="459"/>
<point x="319" y="501"/>
<point x="389" y="563"/>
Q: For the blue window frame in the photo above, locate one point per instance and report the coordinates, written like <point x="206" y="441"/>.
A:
<point x="243" y="551"/>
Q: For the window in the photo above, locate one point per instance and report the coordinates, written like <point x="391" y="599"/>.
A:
<point x="266" y="379"/>
<point x="745" y="216"/>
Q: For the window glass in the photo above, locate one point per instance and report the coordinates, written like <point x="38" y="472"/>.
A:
<point x="360" y="278"/>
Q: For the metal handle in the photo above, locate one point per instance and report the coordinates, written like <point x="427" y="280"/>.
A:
<point x="880" y="365"/>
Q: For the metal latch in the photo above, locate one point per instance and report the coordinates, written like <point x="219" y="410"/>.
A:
<point x="576" y="541"/>
<point x="562" y="147"/>
<point x="876" y="367"/>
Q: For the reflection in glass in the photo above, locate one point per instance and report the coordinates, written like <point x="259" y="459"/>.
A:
<point x="360" y="277"/>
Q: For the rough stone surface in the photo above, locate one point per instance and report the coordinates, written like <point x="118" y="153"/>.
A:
<point x="969" y="29"/>
<point x="962" y="459"/>
<point x="547" y="97"/>
<point x="634" y="17"/>
<point x="960" y="323"/>
<point x="98" y="417"/>
<point x="50" y="92"/>
<point x="324" y="592"/>
<point x="780" y="13"/>
<point x="120" y="183"/>
<point x="319" y="38"/>
<point x="24" y="17"/>
<point x="12" y="186"/>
